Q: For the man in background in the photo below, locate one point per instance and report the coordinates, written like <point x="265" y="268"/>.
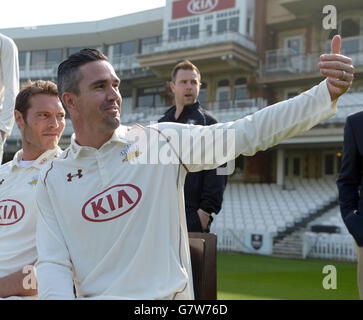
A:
<point x="40" y="117"/>
<point x="203" y="190"/>
<point x="350" y="182"/>
<point x="9" y="87"/>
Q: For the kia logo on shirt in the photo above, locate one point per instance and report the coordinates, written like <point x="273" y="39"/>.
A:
<point x="112" y="203"/>
<point x="201" y="6"/>
<point x="11" y="212"/>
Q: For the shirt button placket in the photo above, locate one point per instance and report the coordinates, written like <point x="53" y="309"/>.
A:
<point x="102" y="169"/>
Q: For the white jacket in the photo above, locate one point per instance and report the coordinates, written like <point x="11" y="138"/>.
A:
<point x="9" y="82"/>
<point x="114" y="217"/>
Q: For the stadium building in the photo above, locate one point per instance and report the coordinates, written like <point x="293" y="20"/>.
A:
<point x="251" y="53"/>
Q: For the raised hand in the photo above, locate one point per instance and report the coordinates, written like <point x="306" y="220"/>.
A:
<point x="337" y="68"/>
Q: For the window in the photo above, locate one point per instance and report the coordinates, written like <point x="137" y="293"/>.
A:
<point x="296" y="167"/>
<point x="329" y="164"/>
<point x="173" y="34"/>
<point x="42" y="59"/>
<point x="22" y="60"/>
<point x="54" y="55"/>
<point x="124" y="48"/>
<point x="294" y="43"/>
<point x="194" y="31"/>
<point x="240" y="89"/>
<point x="234" y="24"/>
<point x="147" y="43"/>
<point x="209" y="29"/>
<point x="222" y="26"/>
<point x="231" y="24"/>
<point x="150" y="97"/>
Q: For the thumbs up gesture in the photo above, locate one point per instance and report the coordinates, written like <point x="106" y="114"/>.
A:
<point x="337" y="68"/>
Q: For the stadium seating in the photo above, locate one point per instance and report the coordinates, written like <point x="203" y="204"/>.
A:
<point x="268" y="207"/>
<point x="338" y="246"/>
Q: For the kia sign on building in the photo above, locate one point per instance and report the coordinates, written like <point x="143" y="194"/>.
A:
<point x="187" y="8"/>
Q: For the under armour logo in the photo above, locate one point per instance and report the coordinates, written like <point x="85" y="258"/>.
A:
<point x="79" y="174"/>
<point x="1" y="182"/>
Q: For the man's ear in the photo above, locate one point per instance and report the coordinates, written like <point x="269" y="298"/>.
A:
<point x="19" y="120"/>
<point x="172" y="86"/>
<point x="69" y="100"/>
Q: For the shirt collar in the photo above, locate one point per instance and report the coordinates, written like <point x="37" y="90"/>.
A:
<point x="40" y="161"/>
<point x="186" y="110"/>
<point x="118" y="136"/>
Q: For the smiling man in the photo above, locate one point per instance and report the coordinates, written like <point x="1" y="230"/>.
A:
<point x="40" y="118"/>
<point x="115" y="222"/>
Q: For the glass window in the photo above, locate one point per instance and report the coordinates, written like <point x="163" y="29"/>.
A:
<point x="234" y="24"/>
<point x="173" y="34"/>
<point x="286" y="166"/>
<point x="70" y="51"/>
<point x="294" y="44"/>
<point x="22" y="59"/>
<point x="350" y="28"/>
<point x="128" y="48"/>
<point x="350" y="46"/>
<point x="202" y="96"/>
<point x="54" y="56"/>
<point x="147" y="43"/>
<point x="183" y="33"/>
<point x="223" y="83"/>
<point x="209" y="29"/>
<point x="329" y="164"/>
<point x="296" y="167"/>
<point x="240" y="93"/>
<point x="194" y="31"/>
<point x="222" y="26"/>
<point x="38" y="59"/>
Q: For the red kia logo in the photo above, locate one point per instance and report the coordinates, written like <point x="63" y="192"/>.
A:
<point x="11" y="212"/>
<point x="201" y="6"/>
<point x="112" y="203"/>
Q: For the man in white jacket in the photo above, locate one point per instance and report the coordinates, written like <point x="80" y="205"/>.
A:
<point x="111" y="208"/>
<point x="39" y="115"/>
<point x="9" y="87"/>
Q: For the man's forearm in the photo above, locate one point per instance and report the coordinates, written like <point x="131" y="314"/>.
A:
<point x="13" y="285"/>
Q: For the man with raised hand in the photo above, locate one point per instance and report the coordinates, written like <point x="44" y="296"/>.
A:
<point x="9" y="87"/>
<point x="111" y="208"/>
<point x="40" y="118"/>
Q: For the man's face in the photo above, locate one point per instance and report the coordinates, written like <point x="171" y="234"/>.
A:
<point x="44" y="123"/>
<point x="99" y="100"/>
<point x="186" y="87"/>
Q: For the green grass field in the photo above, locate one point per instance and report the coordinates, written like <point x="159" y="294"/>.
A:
<point x="250" y="277"/>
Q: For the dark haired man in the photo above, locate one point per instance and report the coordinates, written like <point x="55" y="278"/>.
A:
<point x="40" y="118"/>
<point x="203" y="190"/>
<point x="121" y="233"/>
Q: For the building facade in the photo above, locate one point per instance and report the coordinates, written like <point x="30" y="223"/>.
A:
<point x="251" y="53"/>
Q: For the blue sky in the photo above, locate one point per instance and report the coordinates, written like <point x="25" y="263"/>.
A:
<point x="26" y="13"/>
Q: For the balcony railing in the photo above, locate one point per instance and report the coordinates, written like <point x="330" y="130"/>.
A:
<point x="202" y="38"/>
<point x="40" y="71"/>
<point x="224" y="110"/>
<point x="124" y="62"/>
<point x="287" y="61"/>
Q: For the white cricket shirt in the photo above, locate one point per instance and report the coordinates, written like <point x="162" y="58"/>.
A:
<point x="17" y="211"/>
<point x="119" y="222"/>
<point x="9" y="82"/>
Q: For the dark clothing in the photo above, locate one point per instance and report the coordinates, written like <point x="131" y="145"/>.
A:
<point x="350" y="179"/>
<point x="203" y="189"/>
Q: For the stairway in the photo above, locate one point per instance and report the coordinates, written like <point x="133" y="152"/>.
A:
<point x="290" y="246"/>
